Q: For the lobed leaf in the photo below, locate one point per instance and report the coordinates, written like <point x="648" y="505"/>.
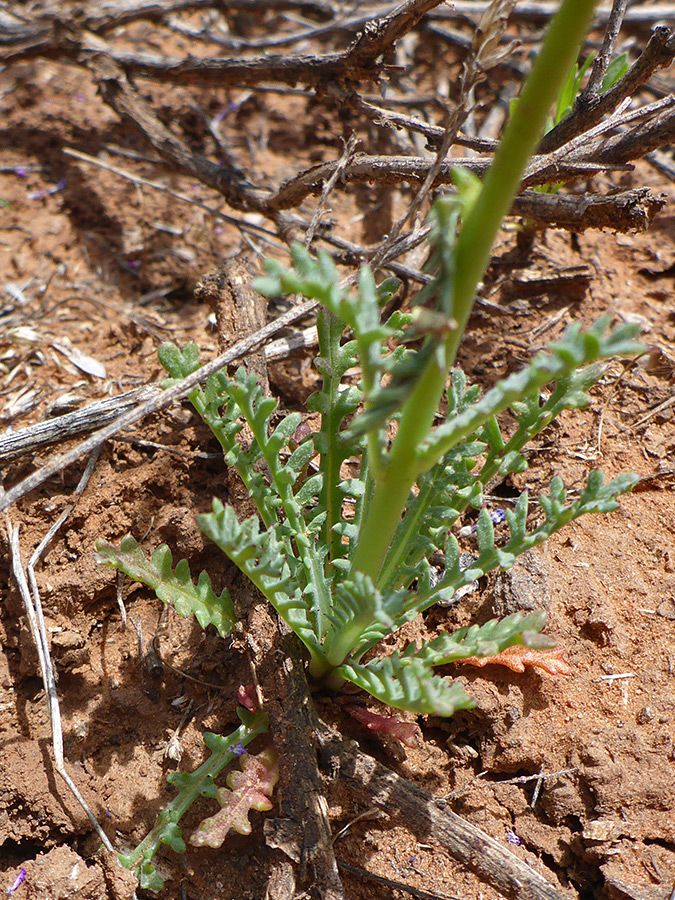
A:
<point x="248" y="790"/>
<point x="408" y="684"/>
<point x="574" y="350"/>
<point x="175" y="588"/>
<point x="268" y="560"/>
<point x="358" y="609"/>
<point x="484" y="640"/>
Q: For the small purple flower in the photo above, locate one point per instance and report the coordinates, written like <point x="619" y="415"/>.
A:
<point x="497" y="516"/>
<point x="21" y="171"/>
<point x="19" y="880"/>
<point x="38" y="195"/>
<point x="239" y="749"/>
<point x="513" y="838"/>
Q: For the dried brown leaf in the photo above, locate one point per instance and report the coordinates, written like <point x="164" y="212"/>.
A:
<point x="518" y="658"/>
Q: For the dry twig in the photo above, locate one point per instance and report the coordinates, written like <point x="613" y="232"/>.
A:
<point x="33" y="607"/>
<point x="429" y="818"/>
<point x="603" y="59"/>
<point x="176" y="392"/>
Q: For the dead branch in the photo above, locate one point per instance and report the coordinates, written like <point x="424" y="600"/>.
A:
<point x="482" y="57"/>
<point x="365" y="168"/>
<point x="633" y="212"/>
<point x="627" y="211"/>
<point x="302" y="831"/>
<point x="542" y="10"/>
<point x="154" y="404"/>
<point x="433" y="133"/>
<point x="128" y="104"/>
<point x="239" y="310"/>
<point x="394" y="169"/>
<point x="49" y="32"/>
<point x="28" y="441"/>
<point x="360" y="61"/>
<point x="662" y="162"/>
<point x="430" y="818"/>
<point x="222" y="71"/>
<point x="380" y="35"/>
<point x="639" y="141"/>
<point x="317" y="32"/>
<point x="602" y="60"/>
<point x="459" y="39"/>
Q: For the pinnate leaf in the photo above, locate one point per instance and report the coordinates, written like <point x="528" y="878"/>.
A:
<point x="249" y="789"/>
<point x="518" y="658"/>
<point x="408" y="684"/>
<point x="486" y="640"/>
<point x="173" y="587"/>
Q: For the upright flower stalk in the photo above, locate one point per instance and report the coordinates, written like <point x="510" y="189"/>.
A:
<point x="474" y="243"/>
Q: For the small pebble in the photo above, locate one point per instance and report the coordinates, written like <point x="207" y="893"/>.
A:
<point x="644" y="715"/>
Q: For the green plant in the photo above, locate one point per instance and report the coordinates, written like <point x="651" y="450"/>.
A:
<point x="570" y="92"/>
<point x="344" y="560"/>
<point x="341" y="551"/>
<point x="248" y="793"/>
<point x="571" y="87"/>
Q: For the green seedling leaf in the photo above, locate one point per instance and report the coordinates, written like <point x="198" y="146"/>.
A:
<point x="191" y="786"/>
<point x="175" y="588"/>
<point x="615" y="71"/>
<point x="179" y="363"/>
<point x="149" y="878"/>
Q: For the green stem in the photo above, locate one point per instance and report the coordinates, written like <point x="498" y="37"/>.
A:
<point x="391" y="491"/>
<point x="550" y="69"/>
<point x="474" y="244"/>
<point x="174" y="812"/>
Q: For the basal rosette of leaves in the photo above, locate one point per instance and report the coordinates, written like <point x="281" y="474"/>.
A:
<point x="300" y="549"/>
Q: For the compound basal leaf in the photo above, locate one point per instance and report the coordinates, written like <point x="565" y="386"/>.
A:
<point x="408" y="684"/>
<point x="175" y="588"/>
<point x="484" y="640"/>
